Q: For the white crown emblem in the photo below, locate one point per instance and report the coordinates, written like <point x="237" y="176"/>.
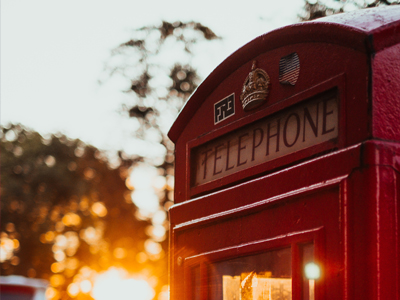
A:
<point x="255" y="88"/>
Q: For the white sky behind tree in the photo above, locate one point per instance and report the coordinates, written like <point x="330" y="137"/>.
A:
<point x="53" y="53"/>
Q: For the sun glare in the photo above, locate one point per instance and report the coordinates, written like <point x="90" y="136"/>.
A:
<point x="116" y="284"/>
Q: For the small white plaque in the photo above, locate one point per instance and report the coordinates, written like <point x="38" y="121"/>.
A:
<point x="224" y="108"/>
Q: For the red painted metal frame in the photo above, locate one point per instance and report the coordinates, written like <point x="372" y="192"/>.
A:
<point x="367" y="261"/>
<point x="190" y="215"/>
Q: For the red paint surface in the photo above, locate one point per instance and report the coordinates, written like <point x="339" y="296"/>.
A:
<point x="342" y="194"/>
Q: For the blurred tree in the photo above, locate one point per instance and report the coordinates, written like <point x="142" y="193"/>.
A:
<point x="156" y="65"/>
<point x="314" y="9"/>
<point x="67" y="215"/>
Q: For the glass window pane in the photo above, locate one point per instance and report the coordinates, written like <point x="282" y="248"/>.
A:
<point x="264" y="276"/>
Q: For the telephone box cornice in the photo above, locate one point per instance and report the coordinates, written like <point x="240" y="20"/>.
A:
<point x="368" y="31"/>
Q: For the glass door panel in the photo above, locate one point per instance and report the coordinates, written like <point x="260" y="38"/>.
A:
<point x="266" y="276"/>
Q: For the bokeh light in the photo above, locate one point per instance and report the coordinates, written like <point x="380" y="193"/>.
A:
<point x="73" y="289"/>
<point x="145" y="182"/>
<point x="120" y="253"/>
<point x="164" y="294"/>
<point x="99" y="209"/>
<point x="71" y="219"/>
<point x="159" y="217"/>
<point x="51" y="293"/>
<point x="146" y="200"/>
<point x="86" y="286"/>
<point x="8" y="247"/>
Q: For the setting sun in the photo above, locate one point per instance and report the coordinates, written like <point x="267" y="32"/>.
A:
<point x="117" y="284"/>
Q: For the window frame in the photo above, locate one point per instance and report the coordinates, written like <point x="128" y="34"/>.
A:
<point x="294" y="240"/>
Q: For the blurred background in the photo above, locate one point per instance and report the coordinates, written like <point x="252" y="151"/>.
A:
<point x="89" y="90"/>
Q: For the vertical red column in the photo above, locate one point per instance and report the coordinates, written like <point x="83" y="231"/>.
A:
<point x="374" y="248"/>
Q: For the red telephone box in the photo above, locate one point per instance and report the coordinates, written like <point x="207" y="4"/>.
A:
<point x="287" y="167"/>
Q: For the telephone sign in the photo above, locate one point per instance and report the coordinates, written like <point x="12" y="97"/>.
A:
<point x="303" y="126"/>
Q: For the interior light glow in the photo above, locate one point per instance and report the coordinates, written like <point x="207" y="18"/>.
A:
<point x="312" y="271"/>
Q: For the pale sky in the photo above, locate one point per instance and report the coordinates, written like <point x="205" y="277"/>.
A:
<point x="53" y="51"/>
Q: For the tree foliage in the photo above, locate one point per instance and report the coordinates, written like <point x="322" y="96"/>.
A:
<point x="322" y="8"/>
<point x="66" y="214"/>
<point x="156" y="65"/>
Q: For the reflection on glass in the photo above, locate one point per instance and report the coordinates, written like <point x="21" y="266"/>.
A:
<point x="265" y="276"/>
<point x="310" y="272"/>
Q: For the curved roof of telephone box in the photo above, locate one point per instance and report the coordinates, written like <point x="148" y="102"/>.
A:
<point x="367" y="30"/>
